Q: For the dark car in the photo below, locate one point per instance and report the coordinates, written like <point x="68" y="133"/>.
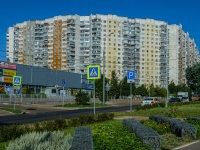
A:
<point x="174" y="99"/>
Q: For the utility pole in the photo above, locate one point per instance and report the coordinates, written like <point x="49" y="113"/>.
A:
<point x="104" y="66"/>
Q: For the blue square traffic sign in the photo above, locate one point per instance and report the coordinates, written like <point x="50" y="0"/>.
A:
<point x="17" y="80"/>
<point x="130" y="76"/>
<point x="93" y="72"/>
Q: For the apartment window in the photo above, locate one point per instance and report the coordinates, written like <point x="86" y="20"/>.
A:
<point x="114" y="22"/>
<point x="104" y="21"/>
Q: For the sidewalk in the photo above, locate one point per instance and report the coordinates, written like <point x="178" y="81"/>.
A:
<point x="190" y="146"/>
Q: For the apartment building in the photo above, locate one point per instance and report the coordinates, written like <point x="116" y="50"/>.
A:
<point x="157" y="51"/>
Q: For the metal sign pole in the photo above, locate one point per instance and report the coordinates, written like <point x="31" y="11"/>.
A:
<point x="21" y="94"/>
<point x="94" y="97"/>
<point x="63" y="96"/>
<point x="131" y="97"/>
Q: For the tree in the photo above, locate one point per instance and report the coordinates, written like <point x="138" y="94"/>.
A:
<point x="172" y="88"/>
<point x="99" y="88"/>
<point x="125" y="87"/>
<point x="142" y="90"/>
<point x="160" y="92"/>
<point x="82" y="98"/>
<point x="114" y="90"/>
<point x="193" y="78"/>
<point x="152" y="90"/>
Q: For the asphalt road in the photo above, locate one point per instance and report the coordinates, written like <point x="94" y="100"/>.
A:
<point x="31" y="118"/>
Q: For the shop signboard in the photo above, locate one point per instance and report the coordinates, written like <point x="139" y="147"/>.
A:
<point x="7" y="79"/>
<point x="7" y="72"/>
<point x="8" y="65"/>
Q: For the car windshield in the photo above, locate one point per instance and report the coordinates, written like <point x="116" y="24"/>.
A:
<point x="148" y="99"/>
<point x="174" y="99"/>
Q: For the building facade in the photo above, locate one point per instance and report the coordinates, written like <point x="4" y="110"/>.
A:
<point x="157" y="51"/>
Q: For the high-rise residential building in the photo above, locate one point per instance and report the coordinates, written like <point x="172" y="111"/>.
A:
<point x="157" y="51"/>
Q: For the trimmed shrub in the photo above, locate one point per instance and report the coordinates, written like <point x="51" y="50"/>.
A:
<point x="181" y="129"/>
<point x="39" y="141"/>
<point x="147" y="135"/>
<point x="82" y="139"/>
<point x="195" y="123"/>
<point x="194" y="118"/>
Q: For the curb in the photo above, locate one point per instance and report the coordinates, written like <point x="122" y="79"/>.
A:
<point x="179" y="147"/>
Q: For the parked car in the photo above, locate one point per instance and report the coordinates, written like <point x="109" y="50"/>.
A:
<point x="185" y="99"/>
<point x="148" y="100"/>
<point x="174" y="99"/>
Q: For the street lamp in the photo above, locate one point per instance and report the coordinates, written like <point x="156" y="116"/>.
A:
<point x="104" y="66"/>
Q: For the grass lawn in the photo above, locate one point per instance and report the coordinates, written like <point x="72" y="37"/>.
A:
<point x="83" y="106"/>
<point x="184" y="111"/>
<point x="105" y="133"/>
<point x="17" y="111"/>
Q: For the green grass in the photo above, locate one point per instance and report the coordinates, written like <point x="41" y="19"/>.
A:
<point x="17" y="111"/>
<point x="83" y="106"/>
<point x="111" y="135"/>
<point x="3" y="145"/>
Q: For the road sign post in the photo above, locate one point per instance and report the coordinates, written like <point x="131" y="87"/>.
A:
<point x="93" y="73"/>
<point x="63" y="83"/>
<point x="130" y="79"/>
<point x="17" y="81"/>
<point x="107" y="89"/>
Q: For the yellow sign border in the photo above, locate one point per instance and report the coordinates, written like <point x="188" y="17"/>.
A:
<point x="20" y="80"/>
<point x="99" y="72"/>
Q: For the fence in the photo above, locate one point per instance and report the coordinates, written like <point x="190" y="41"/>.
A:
<point x="41" y="98"/>
<point x="32" y="99"/>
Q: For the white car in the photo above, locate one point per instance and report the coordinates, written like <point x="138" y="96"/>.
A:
<point x="147" y="101"/>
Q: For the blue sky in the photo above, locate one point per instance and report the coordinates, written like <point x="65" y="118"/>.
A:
<point x="185" y="12"/>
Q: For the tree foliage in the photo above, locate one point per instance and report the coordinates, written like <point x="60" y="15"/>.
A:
<point x="114" y="90"/>
<point x="99" y="88"/>
<point x="142" y="90"/>
<point x="82" y="98"/>
<point x="193" y="78"/>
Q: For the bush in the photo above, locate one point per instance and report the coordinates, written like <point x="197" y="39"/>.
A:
<point x="172" y="112"/>
<point x="56" y="124"/>
<point x="10" y="132"/>
<point x="89" y="119"/>
<point x="40" y="141"/>
<point x="82" y="98"/>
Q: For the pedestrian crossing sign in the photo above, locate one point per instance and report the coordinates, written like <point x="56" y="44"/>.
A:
<point x="93" y="72"/>
<point x="17" y="80"/>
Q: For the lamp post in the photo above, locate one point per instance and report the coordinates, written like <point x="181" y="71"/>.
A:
<point x="104" y="67"/>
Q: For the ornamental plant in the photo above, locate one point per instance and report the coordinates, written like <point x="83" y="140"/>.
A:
<point x="42" y="140"/>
